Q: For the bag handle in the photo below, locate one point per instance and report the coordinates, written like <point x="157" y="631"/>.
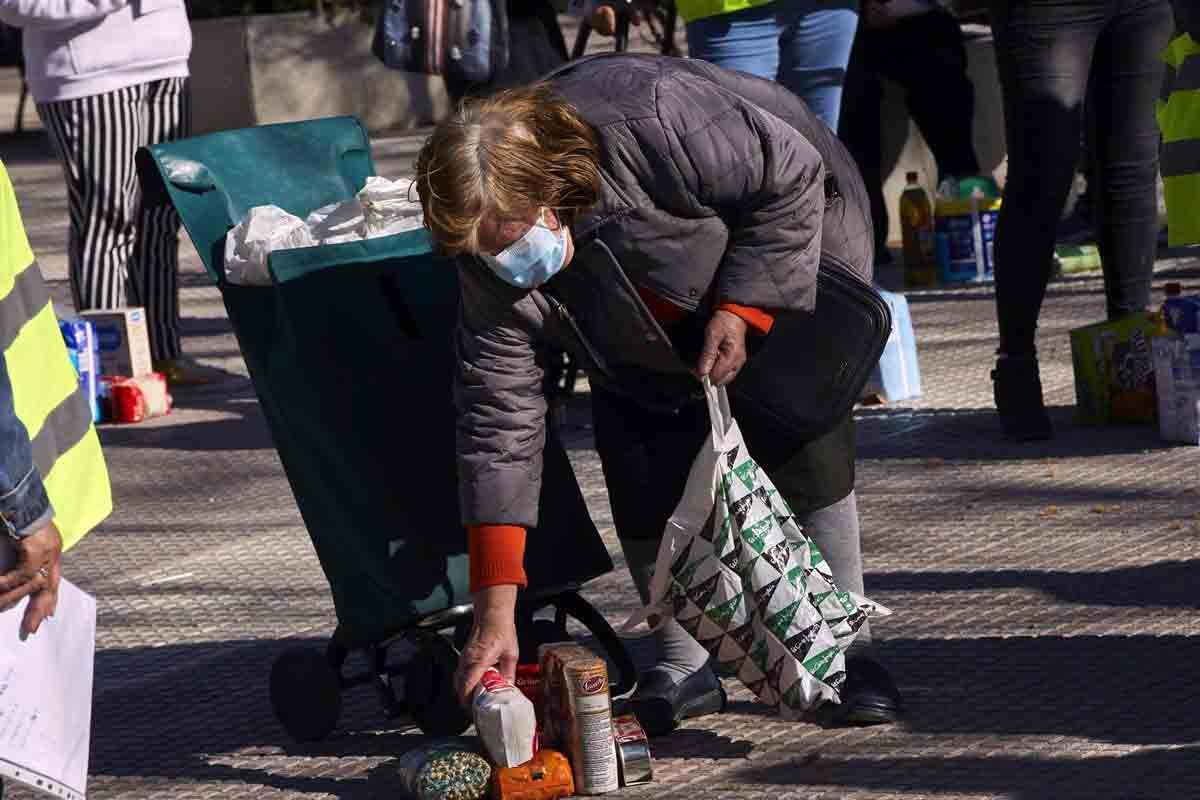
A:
<point x="725" y="434"/>
<point x="719" y="414"/>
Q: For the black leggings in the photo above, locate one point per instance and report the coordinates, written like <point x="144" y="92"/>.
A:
<point x="1052" y="56"/>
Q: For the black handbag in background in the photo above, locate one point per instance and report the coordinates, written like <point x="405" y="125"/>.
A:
<point x="463" y="40"/>
<point x="805" y="376"/>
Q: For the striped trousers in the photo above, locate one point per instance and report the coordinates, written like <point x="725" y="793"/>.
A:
<point x="121" y="253"/>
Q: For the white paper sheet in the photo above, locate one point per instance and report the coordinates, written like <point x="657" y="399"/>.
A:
<point x="46" y="694"/>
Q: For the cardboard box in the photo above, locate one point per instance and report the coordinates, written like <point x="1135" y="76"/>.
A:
<point x="1114" y="370"/>
<point x="1177" y="379"/>
<point x="124" y="341"/>
<point x="84" y="350"/>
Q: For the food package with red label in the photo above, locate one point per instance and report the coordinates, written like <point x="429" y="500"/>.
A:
<point x="140" y="398"/>
<point x="505" y="720"/>
<point x="529" y="681"/>
<point x="578" y="714"/>
<point x="546" y="777"/>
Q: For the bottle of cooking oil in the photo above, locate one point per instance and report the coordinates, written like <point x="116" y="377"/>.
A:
<point x="916" y="225"/>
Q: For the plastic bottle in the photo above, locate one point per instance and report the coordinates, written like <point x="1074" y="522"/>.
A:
<point x="916" y="225"/>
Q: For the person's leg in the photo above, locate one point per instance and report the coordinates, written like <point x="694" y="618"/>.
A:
<point x="1043" y="55"/>
<point x="930" y="63"/>
<point x="154" y="268"/>
<point x="646" y="459"/>
<point x="89" y="135"/>
<point x="860" y="124"/>
<point x="747" y="41"/>
<point x="814" y="49"/>
<point x="1125" y="82"/>
<point x="817" y="481"/>
<point x="835" y="531"/>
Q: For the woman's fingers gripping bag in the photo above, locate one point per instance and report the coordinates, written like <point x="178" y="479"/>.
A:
<point x="739" y="575"/>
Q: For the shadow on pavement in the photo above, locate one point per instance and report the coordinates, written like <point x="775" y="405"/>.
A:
<point x="1137" y="690"/>
<point x="201" y="712"/>
<point x="1151" y="775"/>
<point x="1167" y="583"/>
<point x="974" y="434"/>
<point x="237" y="423"/>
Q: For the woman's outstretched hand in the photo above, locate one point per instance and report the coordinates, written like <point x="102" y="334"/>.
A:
<point x="724" y="351"/>
<point x="492" y="643"/>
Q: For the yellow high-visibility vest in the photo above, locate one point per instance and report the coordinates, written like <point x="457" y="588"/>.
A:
<point x="1179" y="119"/>
<point x="691" y="10"/>
<point x="46" y="391"/>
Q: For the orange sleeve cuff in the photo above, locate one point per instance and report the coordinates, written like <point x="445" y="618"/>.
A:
<point x="760" y="321"/>
<point x="497" y="555"/>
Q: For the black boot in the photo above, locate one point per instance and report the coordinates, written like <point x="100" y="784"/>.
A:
<point x="1017" y="389"/>
<point x="660" y="703"/>
<point x="869" y="696"/>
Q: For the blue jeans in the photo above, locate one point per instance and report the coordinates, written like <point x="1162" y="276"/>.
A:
<point x="803" y="44"/>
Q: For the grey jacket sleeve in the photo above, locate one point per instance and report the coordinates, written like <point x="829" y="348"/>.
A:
<point x="762" y="177"/>
<point x="501" y="405"/>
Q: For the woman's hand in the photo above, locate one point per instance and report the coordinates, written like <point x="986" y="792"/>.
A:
<point x="724" y="348"/>
<point x="492" y="643"/>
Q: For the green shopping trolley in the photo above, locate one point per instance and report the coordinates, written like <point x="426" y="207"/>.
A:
<point x="350" y="351"/>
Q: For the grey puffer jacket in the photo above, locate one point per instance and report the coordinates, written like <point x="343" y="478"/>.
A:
<point x="714" y="190"/>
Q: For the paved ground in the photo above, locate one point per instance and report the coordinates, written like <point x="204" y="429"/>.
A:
<point x="1046" y="632"/>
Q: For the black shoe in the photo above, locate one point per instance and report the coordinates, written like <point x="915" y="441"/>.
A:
<point x="660" y="704"/>
<point x="869" y="696"/>
<point x="1017" y="389"/>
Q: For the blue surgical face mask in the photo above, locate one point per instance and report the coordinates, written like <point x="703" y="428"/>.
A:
<point x="533" y="259"/>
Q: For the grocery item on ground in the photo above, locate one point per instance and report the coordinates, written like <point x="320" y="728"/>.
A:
<point x="139" y="399"/>
<point x="529" y="681"/>
<point x="1177" y="384"/>
<point x="123" y="340"/>
<point x="916" y="227"/>
<point x="897" y="376"/>
<point x="578" y="714"/>
<point x="83" y="347"/>
<point x="247" y="245"/>
<point x="1074" y="258"/>
<point x="634" y="764"/>
<point x="964" y="231"/>
<point x="448" y="769"/>
<point x="1114" y="369"/>
<point x="1182" y="313"/>
<point x="505" y="720"/>
<point x="546" y="777"/>
<point x="738" y="573"/>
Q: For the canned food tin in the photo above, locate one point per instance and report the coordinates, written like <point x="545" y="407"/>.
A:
<point x="633" y="751"/>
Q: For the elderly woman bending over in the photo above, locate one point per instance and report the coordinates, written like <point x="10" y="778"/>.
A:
<point x="649" y="215"/>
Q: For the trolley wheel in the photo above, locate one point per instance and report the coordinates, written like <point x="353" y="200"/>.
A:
<point x="429" y="689"/>
<point x="306" y="693"/>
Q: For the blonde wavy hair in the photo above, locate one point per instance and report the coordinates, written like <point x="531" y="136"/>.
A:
<point x="507" y="154"/>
